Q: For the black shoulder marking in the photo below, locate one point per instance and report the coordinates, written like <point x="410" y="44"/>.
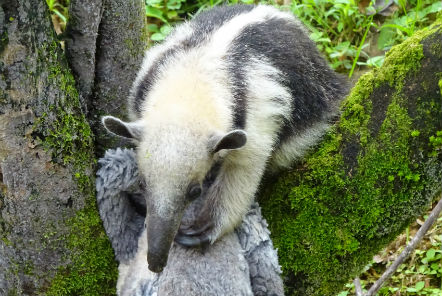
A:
<point x="314" y="86"/>
<point x="149" y="78"/>
<point x="210" y="20"/>
<point x="203" y="25"/>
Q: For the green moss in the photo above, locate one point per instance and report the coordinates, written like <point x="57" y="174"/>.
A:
<point x="64" y="131"/>
<point x="363" y="184"/>
<point x="436" y="49"/>
<point x="93" y="270"/>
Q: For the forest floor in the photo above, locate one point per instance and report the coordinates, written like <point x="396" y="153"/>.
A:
<point x="420" y="274"/>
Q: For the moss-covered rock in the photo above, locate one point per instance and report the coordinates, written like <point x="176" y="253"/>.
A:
<point x="373" y="173"/>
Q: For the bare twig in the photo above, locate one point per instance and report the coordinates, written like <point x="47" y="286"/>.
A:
<point x="405" y="253"/>
<point x="358" y="288"/>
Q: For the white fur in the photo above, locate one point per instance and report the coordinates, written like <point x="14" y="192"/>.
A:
<point x="133" y="273"/>
<point x="296" y="147"/>
<point x="190" y="100"/>
<point x="179" y="34"/>
<point x="245" y="167"/>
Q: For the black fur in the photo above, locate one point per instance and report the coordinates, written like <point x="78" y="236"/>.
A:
<point x="203" y="24"/>
<point x="315" y="88"/>
<point x="137" y="201"/>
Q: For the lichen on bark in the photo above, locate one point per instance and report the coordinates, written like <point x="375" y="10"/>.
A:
<point x="49" y="226"/>
<point x="372" y="173"/>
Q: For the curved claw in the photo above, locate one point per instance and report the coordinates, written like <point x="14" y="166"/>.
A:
<point x="192" y="241"/>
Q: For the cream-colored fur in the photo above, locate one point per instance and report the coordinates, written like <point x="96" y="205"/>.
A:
<point x="190" y="101"/>
<point x="133" y="273"/>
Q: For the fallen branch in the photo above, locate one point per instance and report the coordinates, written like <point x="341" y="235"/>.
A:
<point x="408" y="250"/>
<point x="358" y="288"/>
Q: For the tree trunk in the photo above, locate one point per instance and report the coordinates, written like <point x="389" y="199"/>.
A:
<point x="377" y="169"/>
<point x="105" y="46"/>
<point x="51" y="238"/>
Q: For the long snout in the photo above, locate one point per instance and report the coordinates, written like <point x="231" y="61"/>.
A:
<point x="160" y="234"/>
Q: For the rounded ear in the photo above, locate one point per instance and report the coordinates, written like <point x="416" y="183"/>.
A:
<point x="130" y="130"/>
<point x="232" y="140"/>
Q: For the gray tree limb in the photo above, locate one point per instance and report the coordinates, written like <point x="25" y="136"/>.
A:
<point x="81" y="39"/>
<point x="120" y="50"/>
<point x="407" y="251"/>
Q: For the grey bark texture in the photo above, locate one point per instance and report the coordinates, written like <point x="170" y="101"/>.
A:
<point x="122" y="40"/>
<point x="81" y="43"/>
<point x="105" y="45"/>
<point x="38" y="192"/>
<point x="51" y="237"/>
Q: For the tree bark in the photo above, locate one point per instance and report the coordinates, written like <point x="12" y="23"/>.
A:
<point x="378" y="168"/>
<point x="37" y="163"/>
<point x="120" y="50"/>
<point x="51" y="237"/>
<point x="81" y="44"/>
<point x="105" y="45"/>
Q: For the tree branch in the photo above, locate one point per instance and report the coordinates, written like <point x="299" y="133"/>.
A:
<point x="81" y="37"/>
<point x="358" y="288"/>
<point x="120" y="50"/>
<point x="408" y="250"/>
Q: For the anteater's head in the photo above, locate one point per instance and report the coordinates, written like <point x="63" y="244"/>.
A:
<point x="174" y="161"/>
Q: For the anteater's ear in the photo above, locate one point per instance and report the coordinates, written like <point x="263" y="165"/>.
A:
<point x="130" y="130"/>
<point x="232" y="140"/>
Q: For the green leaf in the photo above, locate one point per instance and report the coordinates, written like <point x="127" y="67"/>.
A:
<point x="433" y="8"/>
<point x="172" y="14"/>
<point x="153" y="28"/>
<point x="165" y="30"/>
<point x="376" y="61"/>
<point x="430" y="254"/>
<point x="154" y="3"/>
<point x="415" y="133"/>
<point x="386" y="38"/>
<point x="173" y="5"/>
<point x="155" y="13"/>
<point x="420" y="285"/>
<point x="62" y="17"/>
<point x="157" y="37"/>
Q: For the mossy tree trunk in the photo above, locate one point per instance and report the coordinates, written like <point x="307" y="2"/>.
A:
<point x="378" y="168"/>
<point x="51" y="238"/>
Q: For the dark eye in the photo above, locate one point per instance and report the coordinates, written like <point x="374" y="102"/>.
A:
<point x="194" y="191"/>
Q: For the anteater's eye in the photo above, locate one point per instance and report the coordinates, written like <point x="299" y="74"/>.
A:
<point x="194" y="191"/>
